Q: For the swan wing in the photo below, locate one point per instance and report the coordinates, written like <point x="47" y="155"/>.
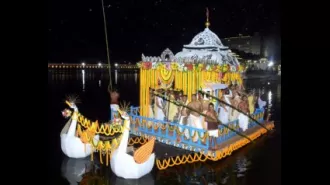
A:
<point x="142" y="154"/>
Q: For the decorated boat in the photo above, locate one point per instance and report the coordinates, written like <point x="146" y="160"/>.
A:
<point x="205" y="67"/>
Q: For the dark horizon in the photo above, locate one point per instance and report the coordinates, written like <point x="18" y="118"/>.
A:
<point x="76" y="32"/>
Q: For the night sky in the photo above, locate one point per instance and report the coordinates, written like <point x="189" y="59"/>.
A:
<point x="76" y="32"/>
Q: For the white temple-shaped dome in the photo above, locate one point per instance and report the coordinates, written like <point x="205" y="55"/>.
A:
<point x="206" y="46"/>
<point x="205" y="39"/>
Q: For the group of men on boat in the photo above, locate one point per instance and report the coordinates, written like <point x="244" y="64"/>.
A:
<point x="189" y="114"/>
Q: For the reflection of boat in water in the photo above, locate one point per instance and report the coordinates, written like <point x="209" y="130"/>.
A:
<point x="242" y="164"/>
<point x="237" y="165"/>
<point x="145" y="180"/>
<point x="83" y="171"/>
<point x="74" y="169"/>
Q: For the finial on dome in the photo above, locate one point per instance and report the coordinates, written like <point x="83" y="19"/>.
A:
<point x="207" y="24"/>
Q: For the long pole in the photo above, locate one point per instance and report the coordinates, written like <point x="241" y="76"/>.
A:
<point x="107" y="45"/>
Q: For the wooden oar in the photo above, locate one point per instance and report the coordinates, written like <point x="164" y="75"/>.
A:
<point x="217" y="120"/>
<point x="260" y="124"/>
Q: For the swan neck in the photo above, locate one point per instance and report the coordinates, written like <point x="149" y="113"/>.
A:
<point x="124" y="140"/>
<point x="73" y="125"/>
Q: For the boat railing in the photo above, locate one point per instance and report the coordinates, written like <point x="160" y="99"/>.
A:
<point x="169" y="132"/>
<point x="226" y="134"/>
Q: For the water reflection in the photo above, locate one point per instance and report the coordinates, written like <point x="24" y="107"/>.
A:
<point x="116" y="77"/>
<point x="145" y="180"/>
<point x="135" y="77"/>
<point x="74" y="169"/>
<point x="242" y="165"/>
<point x="279" y="92"/>
<point x="83" y="79"/>
<point x="231" y="170"/>
<point x="86" y="76"/>
<point x="85" y="172"/>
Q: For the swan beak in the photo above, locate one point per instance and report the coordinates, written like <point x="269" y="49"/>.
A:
<point x="68" y="103"/>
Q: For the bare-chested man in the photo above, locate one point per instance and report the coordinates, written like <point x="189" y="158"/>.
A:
<point x="233" y="115"/>
<point x="243" y="120"/>
<point x="212" y="125"/>
<point x="114" y="103"/>
<point x="205" y="104"/>
<point x="194" y="117"/>
<point x="184" y="115"/>
<point x="224" y="109"/>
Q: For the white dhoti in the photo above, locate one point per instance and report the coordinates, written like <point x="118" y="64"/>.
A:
<point x="261" y="103"/>
<point x="151" y="115"/>
<point x="186" y="131"/>
<point x="203" y="122"/>
<point x="224" y="115"/>
<point x="213" y="133"/>
<point x="151" y="112"/>
<point x="234" y="115"/>
<point x="195" y="122"/>
<point x="159" y="114"/>
<point x="243" y="121"/>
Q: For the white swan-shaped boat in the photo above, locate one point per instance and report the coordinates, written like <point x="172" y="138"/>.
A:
<point x="71" y="145"/>
<point x="125" y="165"/>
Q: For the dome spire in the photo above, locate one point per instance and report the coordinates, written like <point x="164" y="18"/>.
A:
<point x="207" y="24"/>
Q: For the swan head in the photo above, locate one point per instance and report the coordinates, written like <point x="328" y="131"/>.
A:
<point x="71" y="101"/>
<point x="123" y="114"/>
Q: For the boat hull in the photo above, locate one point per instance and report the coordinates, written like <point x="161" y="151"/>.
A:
<point x="123" y="165"/>
<point x="73" y="147"/>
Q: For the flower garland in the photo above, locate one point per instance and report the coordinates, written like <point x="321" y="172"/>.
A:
<point x="174" y="66"/>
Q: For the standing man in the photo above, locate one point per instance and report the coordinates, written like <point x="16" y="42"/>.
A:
<point x="114" y="103"/>
<point x="194" y="119"/>
<point x="212" y="125"/>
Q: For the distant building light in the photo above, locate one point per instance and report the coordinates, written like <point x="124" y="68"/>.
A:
<point x="116" y="65"/>
<point x="270" y="64"/>
<point x="99" y="64"/>
<point x="83" y="64"/>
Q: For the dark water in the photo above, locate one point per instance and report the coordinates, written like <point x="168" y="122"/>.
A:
<point x="255" y="164"/>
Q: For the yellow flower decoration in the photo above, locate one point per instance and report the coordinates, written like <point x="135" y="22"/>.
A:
<point x="174" y="66"/>
<point x="160" y="66"/>
<point x="200" y="66"/>
<point x="225" y="68"/>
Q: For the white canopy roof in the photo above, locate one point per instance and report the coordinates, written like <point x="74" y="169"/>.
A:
<point x="215" y="86"/>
